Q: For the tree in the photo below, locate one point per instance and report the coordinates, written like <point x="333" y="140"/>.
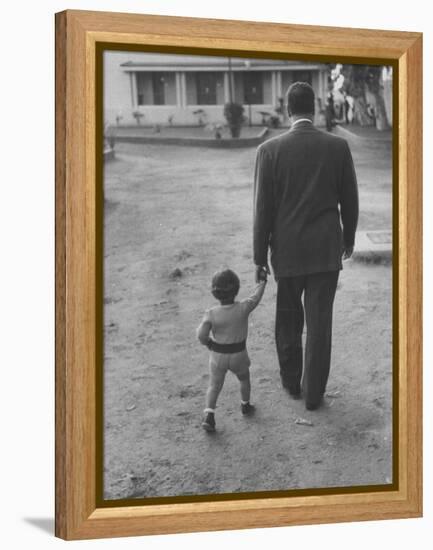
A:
<point x="364" y="84"/>
<point x="375" y="87"/>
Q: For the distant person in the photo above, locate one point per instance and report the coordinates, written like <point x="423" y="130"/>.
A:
<point x="350" y="106"/>
<point x="306" y="213"/>
<point x="346" y="108"/>
<point x="330" y="112"/>
<point x="228" y="324"/>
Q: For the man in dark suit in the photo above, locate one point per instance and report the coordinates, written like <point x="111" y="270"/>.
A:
<point x="306" y="213"/>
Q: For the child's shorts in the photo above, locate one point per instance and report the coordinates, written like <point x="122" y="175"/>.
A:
<point x="220" y="363"/>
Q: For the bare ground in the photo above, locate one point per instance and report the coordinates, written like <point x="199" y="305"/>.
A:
<point x="169" y="208"/>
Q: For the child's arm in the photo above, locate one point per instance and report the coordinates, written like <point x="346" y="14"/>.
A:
<point x="204" y="329"/>
<point x="253" y="301"/>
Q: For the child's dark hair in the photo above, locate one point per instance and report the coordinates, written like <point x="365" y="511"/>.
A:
<point x="225" y="285"/>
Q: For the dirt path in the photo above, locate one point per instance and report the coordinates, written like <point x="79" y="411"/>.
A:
<point x="171" y="208"/>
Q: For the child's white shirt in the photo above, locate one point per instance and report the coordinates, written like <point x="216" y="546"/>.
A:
<point x="229" y="323"/>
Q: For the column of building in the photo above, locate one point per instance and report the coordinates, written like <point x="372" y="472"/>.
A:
<point x="226" y="87"/>
<point x="133" y="83"/>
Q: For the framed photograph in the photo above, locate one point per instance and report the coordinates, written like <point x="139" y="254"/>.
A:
<point x="238" y="274"/>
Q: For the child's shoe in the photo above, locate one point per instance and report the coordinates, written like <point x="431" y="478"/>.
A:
<point x="208" y="423"/>
<point x="247" y="409"/>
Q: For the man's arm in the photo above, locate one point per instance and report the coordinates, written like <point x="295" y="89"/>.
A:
<point x="263" y="207"/>
<point x="349" y="202"/>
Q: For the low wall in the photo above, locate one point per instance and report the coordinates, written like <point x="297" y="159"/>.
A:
<point x="183" y="116"/>
<point x="229" y="143"/>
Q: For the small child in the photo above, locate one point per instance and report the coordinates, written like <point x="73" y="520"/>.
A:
<point x="228" y="323"/>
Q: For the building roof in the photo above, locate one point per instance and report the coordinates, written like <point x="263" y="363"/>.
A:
<point x="195" y="62"/>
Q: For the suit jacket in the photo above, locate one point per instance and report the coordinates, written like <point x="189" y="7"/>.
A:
<point x="305" y="201"/>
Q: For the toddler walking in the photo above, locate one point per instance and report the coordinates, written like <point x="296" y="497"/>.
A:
<point x="228" y="323"/>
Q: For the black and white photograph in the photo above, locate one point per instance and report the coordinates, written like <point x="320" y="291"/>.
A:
<point x="247" y="275"/>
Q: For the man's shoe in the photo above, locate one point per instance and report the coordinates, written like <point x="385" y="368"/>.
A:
<point x="313" y="406"/>
<point x="247" y="409"/>
<point x="208" y="423"/>
<point x="294" y="390"/>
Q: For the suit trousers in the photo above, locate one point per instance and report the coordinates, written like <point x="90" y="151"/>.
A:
<point x="318" y="290"/>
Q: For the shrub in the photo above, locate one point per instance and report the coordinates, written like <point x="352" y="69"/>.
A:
<point x="234" y="114"/>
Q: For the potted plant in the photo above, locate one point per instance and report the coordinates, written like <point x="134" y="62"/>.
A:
<point x="265" y="116"/>
<point x="138" y="116"/>
<point x="234" y="114"/>
<point x="111" y="140"/>
<point x="217" y="130"/>
<point x="201" y="115"/>
<point x="109" y="136"/>
<point x="274" y="121"/>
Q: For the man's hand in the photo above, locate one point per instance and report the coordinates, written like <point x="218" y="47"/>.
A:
<point x="347" y="252"/>
<point x="262" y="272"/>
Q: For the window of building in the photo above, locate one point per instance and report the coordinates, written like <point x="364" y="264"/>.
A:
<point x="206" y="88"/>
<point x="253" y="87"/>
<point x="144" y="93"/>
<point x="303" y="76"/>
<point x="156" y="88"/>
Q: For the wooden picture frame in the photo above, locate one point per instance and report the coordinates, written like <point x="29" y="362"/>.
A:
<point x="78" y="227"/>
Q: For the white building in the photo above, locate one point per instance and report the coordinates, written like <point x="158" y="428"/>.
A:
<point x="170" y="89"/>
